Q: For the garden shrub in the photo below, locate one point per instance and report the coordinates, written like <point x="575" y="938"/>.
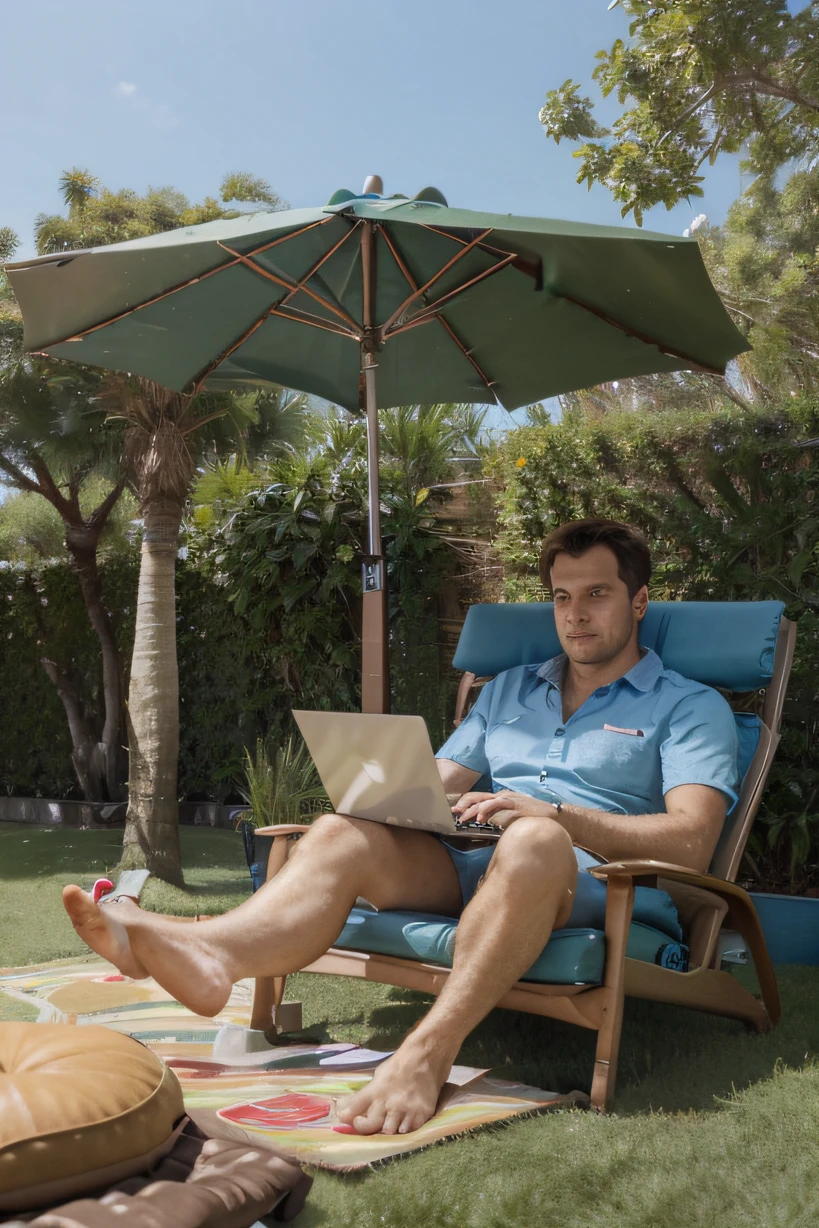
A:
<point x="268" y="618"/>
<point x="730" y="504"/>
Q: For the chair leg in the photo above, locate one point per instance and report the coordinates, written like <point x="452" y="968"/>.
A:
<point x="619" y="905"/>
<point x="742" y="915"/>
<point x="268" y="991"/>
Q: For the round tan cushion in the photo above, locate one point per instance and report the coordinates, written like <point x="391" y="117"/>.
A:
<point x="80" y="1106"/>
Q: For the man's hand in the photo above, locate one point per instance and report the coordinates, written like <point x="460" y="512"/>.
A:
<point x="501" y="809"/>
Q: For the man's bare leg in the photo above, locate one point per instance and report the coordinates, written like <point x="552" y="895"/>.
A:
<point x="283" y="927"/>
<point x="528" y="892"/>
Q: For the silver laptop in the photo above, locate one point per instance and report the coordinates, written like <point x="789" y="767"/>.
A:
<point x="378" y="767"/>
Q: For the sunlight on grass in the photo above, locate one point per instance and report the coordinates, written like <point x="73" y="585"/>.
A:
<point x="37" y="862"/>
<point x="712" y="1124"/>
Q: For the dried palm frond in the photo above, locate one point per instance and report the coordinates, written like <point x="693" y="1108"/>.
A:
<point x="159" y="425"/>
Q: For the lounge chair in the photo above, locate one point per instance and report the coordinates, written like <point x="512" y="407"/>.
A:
<point x="647" y="912"/>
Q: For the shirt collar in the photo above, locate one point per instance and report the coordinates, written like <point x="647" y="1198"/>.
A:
<point x="641" y="676"/>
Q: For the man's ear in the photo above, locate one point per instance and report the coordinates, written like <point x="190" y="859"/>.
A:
<point x="639" y="603"/>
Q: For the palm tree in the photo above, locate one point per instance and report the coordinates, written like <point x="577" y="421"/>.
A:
<point x="164" y="431"/>
<point x="160" y="466"/>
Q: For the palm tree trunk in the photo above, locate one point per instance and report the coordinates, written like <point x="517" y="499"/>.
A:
<point x="151" y="839"/>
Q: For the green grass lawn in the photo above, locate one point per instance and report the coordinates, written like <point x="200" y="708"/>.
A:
<point x="711" y="1125"/>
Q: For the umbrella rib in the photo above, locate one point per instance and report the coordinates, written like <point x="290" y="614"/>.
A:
<point x="290" y="286"/>
<point x="646" y="340"/>
<point x="432" y="308"/>
<point x="182" y="285"/>
<point x="304" y="317"/>
<point x="422" y="289"/>
<point x="532" y="268"/>
<point x="148" y="303"/>
<point x="490" y="383"/>
<point x="294" y="234"/>
<point x="302" y="283"/>
<point x="399" y="261"/>
<point x="268" y="311"/>
<point x="217" y="362"/>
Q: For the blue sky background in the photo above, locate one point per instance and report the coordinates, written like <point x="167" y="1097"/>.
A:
<point x="311" y="96"/>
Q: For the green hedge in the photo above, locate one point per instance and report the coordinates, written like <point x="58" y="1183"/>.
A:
<point x="268" y="618"/>
<point x="42" y="615"/>
<point x="730" y="504"/>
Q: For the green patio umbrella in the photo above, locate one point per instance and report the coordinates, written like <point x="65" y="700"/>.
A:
<point x="376" y="301"/>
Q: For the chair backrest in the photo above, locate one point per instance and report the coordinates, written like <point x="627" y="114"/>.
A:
<point x="737" y="646"/>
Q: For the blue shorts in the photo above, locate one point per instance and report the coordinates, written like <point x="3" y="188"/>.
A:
<point x="472" y="864"/>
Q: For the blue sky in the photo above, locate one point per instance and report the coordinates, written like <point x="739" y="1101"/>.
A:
<point x="311" y="96"/>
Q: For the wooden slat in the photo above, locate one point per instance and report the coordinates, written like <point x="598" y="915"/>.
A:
<point x="703" y="989"/>
<point x="577" y="1004"/>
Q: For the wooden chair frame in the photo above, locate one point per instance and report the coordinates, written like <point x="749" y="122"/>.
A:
<point x="705" y="902"/>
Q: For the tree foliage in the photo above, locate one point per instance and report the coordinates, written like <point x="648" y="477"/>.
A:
<point x="32" y="532"/>
<point x="697" y="78"/>
<point x="54" y="444"/>
<point x="765" y="263"/>
<point x="729" y="499"/>
<point x="61" y="424"/>
<point x="268" y="607"/>
<point x="98" y="215"/>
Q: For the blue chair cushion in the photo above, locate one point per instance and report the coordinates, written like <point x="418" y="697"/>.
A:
<point x="652" y="907"/>
<point x="727" y="644"/>
<point x="572" y="956"/>
<point x="748" y="739"/>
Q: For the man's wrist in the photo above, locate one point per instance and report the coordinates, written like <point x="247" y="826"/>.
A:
<point x="554" y="802"/>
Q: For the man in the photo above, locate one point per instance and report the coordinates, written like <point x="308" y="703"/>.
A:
<point x="601" y="747"/>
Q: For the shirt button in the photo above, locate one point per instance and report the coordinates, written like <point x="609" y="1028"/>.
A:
<point x="559" y="733"/>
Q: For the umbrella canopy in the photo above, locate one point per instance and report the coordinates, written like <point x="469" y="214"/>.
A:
<point x="465" y="306"/>
<point x="373" y="302"/>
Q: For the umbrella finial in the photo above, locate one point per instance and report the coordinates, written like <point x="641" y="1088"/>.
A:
<point x="373" y="183"/>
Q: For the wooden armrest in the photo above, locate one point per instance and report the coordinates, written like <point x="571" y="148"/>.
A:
<point x="281" y="829"/>
<point x="742" y="915"/>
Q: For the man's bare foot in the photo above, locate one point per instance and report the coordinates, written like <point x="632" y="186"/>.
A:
<point x="141" y="944"/>
<point x="402" y="1094"/>
<point x="103" y="929"/>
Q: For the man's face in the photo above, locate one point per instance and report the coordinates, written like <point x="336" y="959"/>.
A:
<point x="595" y="617"/>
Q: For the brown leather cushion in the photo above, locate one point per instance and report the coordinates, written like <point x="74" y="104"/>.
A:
<point x="79" y="1105"/>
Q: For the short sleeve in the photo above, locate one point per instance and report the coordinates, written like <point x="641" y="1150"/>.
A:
<point x="467" y="744"/>
<point x="701" y="747"/>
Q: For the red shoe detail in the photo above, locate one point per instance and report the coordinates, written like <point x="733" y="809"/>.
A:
<point x="101" y="887"/>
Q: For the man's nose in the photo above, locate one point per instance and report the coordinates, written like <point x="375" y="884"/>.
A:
<point x="577" y="614"/>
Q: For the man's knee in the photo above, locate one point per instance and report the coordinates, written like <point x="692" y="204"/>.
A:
<point x="538" y="847"/>
<point x="337" y="831"/>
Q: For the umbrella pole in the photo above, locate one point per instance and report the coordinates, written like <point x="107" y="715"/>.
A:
<point x="375" y="677"/>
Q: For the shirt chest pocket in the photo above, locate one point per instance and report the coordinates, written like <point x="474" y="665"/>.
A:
<point x="624" y="762"/>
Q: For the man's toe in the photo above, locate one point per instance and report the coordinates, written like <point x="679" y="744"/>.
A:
<point x="78" y="904"/>
<point x="392" y="1122"/>
<point x="371" y="1121"/>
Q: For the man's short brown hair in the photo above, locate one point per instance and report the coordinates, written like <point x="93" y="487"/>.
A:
<point x="628" y="546"/>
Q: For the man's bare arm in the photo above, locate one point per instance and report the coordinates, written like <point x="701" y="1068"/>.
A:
<point x="685" y="835"/>
<point x="456" y="779"/>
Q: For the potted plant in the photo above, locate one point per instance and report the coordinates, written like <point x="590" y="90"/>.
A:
<point x="281" y="785"/>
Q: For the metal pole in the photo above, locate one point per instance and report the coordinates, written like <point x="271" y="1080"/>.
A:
<point x="375" y="681"/>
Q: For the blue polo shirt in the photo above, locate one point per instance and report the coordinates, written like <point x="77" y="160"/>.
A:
<point x="622" y="750"/>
